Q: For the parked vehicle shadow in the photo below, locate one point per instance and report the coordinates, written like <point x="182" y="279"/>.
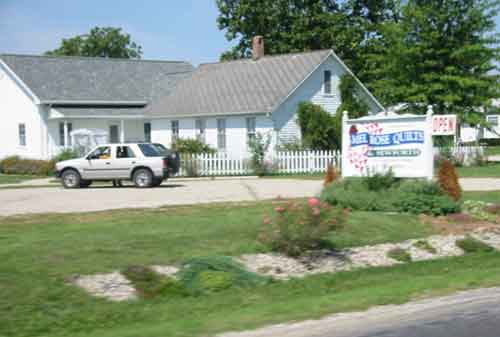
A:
<point x="132" y="187"/>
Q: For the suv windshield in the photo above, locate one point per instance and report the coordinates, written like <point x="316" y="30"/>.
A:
<point x="148" y="150"/>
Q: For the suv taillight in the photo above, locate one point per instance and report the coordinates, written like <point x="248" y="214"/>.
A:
<point x="165" y="163"/>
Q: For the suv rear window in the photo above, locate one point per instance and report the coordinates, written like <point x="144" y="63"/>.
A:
<point x="148" y="150"/>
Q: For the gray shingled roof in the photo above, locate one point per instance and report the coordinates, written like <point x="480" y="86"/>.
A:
<point x="243" y="86"/>
<point x="96" y="79"/>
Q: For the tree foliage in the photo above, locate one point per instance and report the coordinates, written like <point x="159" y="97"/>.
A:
<point x="107" y="42"/>
<point x="301" y="25"/>
<point x="415" y="51"/>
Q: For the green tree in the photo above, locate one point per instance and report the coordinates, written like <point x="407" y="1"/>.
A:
<point x="303" y="25"/>
<point x="107" y="42"/>
<point x="441" y="53"/>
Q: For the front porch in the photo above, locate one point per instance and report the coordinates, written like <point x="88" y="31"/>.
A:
<point x="117" y="130"/>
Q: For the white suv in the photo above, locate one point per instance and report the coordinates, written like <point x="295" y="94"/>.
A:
<point x="145" y="164"/>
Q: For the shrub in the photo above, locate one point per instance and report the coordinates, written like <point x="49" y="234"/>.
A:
<point x="409" y="196"/>
<point x="212" y="274"/>
<point x="331" y="175"/>
<point x="65" y="155"/>
<point x="399" y="254"/>
<point x="317" y="127"/>
<point x="472" y="245"/>
<point x="258" y="148"/>
<point x="448" y="180"/>
<point x="380" y="181"/>
<point x="297" y="227"/>
<point x="478" y="209"/>
<point x="149" y="284"/>
<point x="24" y="166"/>
<point x="425" y="245"/>
<point x="191" y="146"/>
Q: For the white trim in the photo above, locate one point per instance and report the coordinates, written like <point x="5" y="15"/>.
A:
<point x="19" y="82"/>
<point x="219" y="115"/>
<point x="93" y="102"/>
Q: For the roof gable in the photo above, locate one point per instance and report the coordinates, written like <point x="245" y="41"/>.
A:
<point x="82" y="79"/>
<point x="238" y="87"/>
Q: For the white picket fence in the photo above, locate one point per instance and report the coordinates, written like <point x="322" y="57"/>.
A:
<point x="222" y="164"/>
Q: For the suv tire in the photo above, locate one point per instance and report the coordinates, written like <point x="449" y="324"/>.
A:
<point x="157" y="182"/>
<point x="143" y="178"/>
<point x="85" y="183"/>
<point x="71" y="179"/>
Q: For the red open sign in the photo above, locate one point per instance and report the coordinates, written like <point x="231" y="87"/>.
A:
<point x="444" y="125"/>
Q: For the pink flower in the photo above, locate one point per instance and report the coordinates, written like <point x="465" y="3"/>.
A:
<point x="280" y="209"/>
<point x="267" y="221"/>
<point x="314" y="202"/>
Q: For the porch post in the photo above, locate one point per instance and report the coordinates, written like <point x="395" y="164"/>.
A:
<point x="122" y="131"/>
<point x="66" y="136"/>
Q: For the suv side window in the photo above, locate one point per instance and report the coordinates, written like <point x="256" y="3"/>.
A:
<point x="103" y="152"/>
<point x="124" y="152"/>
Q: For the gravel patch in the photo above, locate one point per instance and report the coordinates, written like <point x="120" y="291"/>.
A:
<point x="168" y="271"/>
<point x="491" y="238"/>
<point x="113" y="286"/>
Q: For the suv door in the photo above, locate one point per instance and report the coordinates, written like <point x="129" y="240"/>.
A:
<point x="98" y="164"/>
<point x="123" y="162"/>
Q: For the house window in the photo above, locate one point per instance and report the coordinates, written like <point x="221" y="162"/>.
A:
<point x="147" y="132"/>
<point x="221" y="134"/>
<point x="114" y="134"/>
<point x="174" y="126"/>
<point x="61" y="133"/>
<point x="250" y="129"/>
<point x="493" y="120"/>
<point x="327" y="82"/>
<point x="22" y="134"/>
<point x="200" y="129"/>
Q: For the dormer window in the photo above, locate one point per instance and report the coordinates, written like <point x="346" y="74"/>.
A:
<point x="327" y="82"/>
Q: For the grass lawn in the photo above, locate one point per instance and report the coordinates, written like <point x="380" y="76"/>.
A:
<point x="15" y="179"/>
<point x="489" y="170"/>
<point x="492" y="150"/>
<point x="39" y="254"/>
<point x="486" y="196"/>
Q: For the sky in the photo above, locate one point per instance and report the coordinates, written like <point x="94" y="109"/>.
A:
<point x="166" y="29"/>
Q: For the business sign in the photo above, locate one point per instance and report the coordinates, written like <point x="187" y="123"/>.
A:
<point x="375" y="144"/>
<point x="444" y="125"/>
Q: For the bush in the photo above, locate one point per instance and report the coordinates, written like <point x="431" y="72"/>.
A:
<point x="149" y="284"/>
<point x="317" y="127"/>
<point x="65" y="155"/>
<point x="448" y="180"/>
<point x="408" y="196"/>
<point x="191" y="146"/>
<point x="212" y="274"/>
<point x="258" y="148"/>
<point x="472" y="245"/>
<point x="297" y="227"/>
<point x="478" y="210"/>
<point x="331" y="175"/>
<point x="380" y="181"/>
<point x="24" y="166"/>
<point x="399" y="254"/>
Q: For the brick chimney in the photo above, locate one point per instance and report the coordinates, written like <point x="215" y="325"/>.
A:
<point x="257" y="47"/>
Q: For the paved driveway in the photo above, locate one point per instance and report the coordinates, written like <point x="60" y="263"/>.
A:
<point x="57" y="199"/>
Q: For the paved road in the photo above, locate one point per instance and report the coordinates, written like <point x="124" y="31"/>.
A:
<point x="469" y="314"/>
<point x="57" y="199"/>
<point x="480" y="184"/>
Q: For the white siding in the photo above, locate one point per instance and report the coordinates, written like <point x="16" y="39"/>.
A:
<point x="312" y="90"/>
<point x="236" y="133"/>
<point x="16" y="106"/>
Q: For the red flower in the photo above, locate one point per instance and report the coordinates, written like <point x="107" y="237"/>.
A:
<point x="314" y="202"/>
<point x="280" y="209"/>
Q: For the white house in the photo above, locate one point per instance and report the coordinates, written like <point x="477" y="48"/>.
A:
<point x="45" y="98"/>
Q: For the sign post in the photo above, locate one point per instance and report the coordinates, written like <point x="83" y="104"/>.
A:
<point x="377" y="144"/>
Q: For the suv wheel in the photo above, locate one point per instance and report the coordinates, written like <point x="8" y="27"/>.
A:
<point x="143" y="178"/>
<point x="70" y="179"/>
